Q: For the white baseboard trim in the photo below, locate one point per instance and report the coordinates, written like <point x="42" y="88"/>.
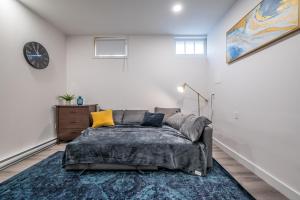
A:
<point x="25" y="154"/>
<point x="282" y="187"/>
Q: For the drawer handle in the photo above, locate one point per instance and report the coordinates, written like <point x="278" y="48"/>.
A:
<point x="73" y="111"/>
<point x="75" y="122"/>
<point x="74" y="132"/>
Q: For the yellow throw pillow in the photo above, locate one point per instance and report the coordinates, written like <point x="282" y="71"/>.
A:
<point x="102" y="118"/>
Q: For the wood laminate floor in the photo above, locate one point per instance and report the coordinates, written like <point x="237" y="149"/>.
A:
<point x="253" y="184"/>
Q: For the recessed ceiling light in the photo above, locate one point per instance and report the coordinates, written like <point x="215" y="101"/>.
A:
<point x="177" y="8"/>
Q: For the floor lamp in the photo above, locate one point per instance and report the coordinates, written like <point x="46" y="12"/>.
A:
<point x="182" y="88"/>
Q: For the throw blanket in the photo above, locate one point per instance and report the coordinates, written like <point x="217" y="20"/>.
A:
<point x="139" y="146"/>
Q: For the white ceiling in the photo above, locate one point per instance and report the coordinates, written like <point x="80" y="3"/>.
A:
<point x="81" y="17"/>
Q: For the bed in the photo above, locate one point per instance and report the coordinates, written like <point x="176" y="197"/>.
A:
<point x="139" y="147"/>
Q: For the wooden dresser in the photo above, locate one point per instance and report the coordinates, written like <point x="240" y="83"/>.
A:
<point x="72" y="119"/>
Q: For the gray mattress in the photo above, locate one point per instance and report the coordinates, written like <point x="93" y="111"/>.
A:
<point x="134" y="145"/>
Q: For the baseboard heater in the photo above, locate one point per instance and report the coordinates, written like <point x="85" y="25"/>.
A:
<point x="26" y="154"/>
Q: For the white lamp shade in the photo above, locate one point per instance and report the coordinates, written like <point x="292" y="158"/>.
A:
<point x="180" y="89"/>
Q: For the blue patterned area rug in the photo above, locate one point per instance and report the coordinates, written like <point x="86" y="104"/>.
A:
<point x="48" y="180"/>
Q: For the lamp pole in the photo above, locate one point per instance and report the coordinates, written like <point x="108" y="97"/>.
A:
<point x="198" y="96"/>
<point x="198" y="105"/>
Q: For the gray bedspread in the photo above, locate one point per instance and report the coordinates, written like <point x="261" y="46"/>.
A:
<point x="137" y="145"/>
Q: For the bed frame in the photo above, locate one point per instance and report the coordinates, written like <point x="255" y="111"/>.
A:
<point x="108" y="167"/>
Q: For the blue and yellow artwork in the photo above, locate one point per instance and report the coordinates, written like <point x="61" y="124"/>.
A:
<point x="267" y="22"/>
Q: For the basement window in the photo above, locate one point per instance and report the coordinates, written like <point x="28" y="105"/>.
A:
<point x="110" y="47"/>
<point x="190" y="45"/>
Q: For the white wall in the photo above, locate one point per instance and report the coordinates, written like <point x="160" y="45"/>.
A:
<point x="27" y="94"/>
<point x="263" y="89"/>
<point x="149" y="79"/>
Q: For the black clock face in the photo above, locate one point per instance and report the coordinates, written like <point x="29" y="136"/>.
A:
<point x="36" y="55"/>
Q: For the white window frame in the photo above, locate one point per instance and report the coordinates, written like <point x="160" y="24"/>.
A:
<point x="123" y="56"/>
<point x="193" y="39"/>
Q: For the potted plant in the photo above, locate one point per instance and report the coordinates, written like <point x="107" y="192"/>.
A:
<point x="67" y="98"/>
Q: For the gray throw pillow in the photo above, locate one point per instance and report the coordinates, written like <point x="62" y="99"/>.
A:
<point x="167" y="111"/>
<point x="176" y="120"/>
<point x="133" y="116"/>
<point x="193" y="127"/>
<point x="153" y="119"/>
<point x="118" y="116"/>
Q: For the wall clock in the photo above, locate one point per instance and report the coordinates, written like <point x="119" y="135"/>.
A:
<point x="36" y="55"/>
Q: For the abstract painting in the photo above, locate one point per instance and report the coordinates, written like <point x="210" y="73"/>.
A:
<point x="266" y="23"/>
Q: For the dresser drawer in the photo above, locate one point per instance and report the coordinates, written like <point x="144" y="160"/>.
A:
<point x="65" y="113"/>
<point x="80" y="123"/>
<point x="68" y="134"/>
